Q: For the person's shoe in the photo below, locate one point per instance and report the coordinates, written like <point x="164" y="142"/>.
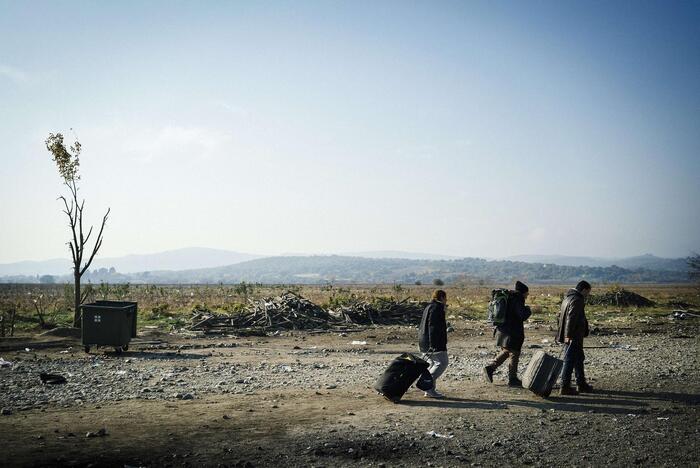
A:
<point x="584" y="388"/>
<point x="488" y="373"/>
<point x="568" y="390"/>
<point x="433" y="394"/>
<point x="515" y="383"/>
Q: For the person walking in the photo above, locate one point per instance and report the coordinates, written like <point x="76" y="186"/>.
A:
<point x="511" y="335"/>
<point x="432" y="339"/>
<point x="573" y="328"/>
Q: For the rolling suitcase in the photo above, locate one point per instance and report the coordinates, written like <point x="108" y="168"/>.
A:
<point x="542" y="373"/>
<point x="400" y="375"/>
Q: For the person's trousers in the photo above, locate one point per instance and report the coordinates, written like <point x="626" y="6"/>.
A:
<point x="438" y="363"/>
<point x="512" y="365"/>
<point x="573" y="362"/>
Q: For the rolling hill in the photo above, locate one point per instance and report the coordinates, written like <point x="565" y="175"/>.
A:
<point x="318" y="269"/>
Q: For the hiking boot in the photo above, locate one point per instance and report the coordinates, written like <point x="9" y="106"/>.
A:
<point x="568" y="390"/>
<point x="515" y="383"/>
<point x="433" y="394"/>
<point x="488" y="373"/>
<point x="584" y="388"/>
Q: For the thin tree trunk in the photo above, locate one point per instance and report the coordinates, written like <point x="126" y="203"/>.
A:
<point x="76" y="313"/>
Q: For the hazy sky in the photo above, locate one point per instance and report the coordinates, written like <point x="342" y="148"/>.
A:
<point x="462" y="128"/>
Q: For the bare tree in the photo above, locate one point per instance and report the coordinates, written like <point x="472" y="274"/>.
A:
<point x="68" y="163"/>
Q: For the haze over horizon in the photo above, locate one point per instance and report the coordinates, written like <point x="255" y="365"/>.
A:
<point x="470" y="130"/>
<point x="209" y="257"/>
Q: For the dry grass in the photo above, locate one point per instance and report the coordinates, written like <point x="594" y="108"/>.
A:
<point x="171" y="306"/>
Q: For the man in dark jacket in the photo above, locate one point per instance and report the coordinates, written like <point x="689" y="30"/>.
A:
<point x="432" y="338"/>
<point x="573" y="328"/>
<point x="511" y="335"/>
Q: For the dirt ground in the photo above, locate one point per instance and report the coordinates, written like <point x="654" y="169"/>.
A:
<point x="303" y="399"/>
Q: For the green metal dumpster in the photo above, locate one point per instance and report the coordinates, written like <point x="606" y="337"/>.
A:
<point x="108" y="323"/>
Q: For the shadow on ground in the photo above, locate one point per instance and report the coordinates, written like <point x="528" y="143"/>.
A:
<point x="155" y="356"/>
<point x="603" y="401"/>
<point x="689" y="398"/>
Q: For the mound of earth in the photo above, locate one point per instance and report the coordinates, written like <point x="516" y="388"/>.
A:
<point x="620" y="298"/>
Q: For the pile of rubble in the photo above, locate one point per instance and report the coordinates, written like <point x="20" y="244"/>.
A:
<point x="381" y="312"/>
<point x="620" y="298"/>
<point x="293" y="312"/>
<point x="286" y="312"/>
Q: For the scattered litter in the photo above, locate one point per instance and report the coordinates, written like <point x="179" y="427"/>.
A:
<point x="101" y="433"/>
<point x="27" y="350"/>
<point x="52" y="379"/>
<point x="358" y="342"/>
<point x="545" y="340"/>
<point x="4" y="363"/>
<point x="120" y="372"/>
<point x="440" y="436"/>
<point x="662" y="419"/>
<point x="331" y="387"/>
<point x="683" y="315"/>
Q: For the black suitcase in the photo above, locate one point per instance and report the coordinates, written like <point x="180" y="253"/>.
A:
<point x="542" y="373"/>
<point x="400" y="375"/>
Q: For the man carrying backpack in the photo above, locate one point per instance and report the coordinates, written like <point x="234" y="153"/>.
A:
<point x="433" y="338"/>
<point x="573" y="328"/>
<point x="510" y="335"/>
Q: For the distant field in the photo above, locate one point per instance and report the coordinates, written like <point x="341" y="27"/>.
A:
<point x="169" y="307"/>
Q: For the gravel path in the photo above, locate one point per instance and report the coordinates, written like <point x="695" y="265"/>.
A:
<point x="648" y="389"/>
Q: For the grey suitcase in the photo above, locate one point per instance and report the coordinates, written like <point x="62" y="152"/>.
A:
<point x="542" y="373"/>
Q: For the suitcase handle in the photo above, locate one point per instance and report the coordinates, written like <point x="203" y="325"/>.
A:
<point x="565" y="351"/>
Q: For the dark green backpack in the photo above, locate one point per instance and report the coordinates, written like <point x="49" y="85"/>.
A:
<point x="498" y="307"/>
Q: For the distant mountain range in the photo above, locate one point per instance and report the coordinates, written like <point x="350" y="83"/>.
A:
<point x="180" y="259"/>
<point x="356" y="269"/>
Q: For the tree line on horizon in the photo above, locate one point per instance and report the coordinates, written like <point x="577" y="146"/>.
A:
<point x="338" y="269"/>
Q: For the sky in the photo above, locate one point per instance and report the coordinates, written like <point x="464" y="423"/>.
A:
<point x="462" y="128"/>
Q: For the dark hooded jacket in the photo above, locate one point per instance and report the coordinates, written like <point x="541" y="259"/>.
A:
<point x="432" y="335"/>
<point x="511" y="334"/>
<point x="572" y="317"/>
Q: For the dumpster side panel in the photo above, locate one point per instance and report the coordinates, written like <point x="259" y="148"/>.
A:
<point x="106" y="326"/>
<point x="134" y="315"/>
